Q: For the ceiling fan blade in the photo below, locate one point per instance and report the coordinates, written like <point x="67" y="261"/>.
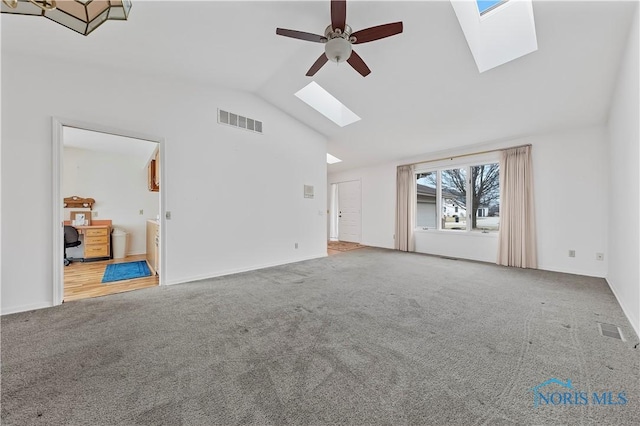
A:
<point x="338" y="14"/>
<point x="301" y="35"/>
<point x="376" y="33"/>
<point x="317" y="65"/>
<point x="358" y="64"/>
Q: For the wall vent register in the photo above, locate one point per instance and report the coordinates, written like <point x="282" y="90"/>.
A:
<point x="239" y="121"/>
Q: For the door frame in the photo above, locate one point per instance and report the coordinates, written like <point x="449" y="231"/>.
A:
<point x="57" y="208"/>
<point x="338" y="209"/>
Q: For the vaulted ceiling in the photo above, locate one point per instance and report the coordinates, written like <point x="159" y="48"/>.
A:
<point x="424" y="93"/>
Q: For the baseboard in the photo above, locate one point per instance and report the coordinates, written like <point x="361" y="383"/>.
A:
<point x="24" y="308"/>
<point x="239" y="270"/>
<point x="635" y="322"/>
<point x="570" y="271"/>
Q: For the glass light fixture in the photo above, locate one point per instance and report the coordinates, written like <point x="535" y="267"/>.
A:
<point x="338" y="46"/>
<point x="82" y="16"/>
<point x="337" y="49"/>
<point x="119" y="9"/>
<point x="27" y="7"/>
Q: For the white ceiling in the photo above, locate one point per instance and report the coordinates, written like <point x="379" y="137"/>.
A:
<point x="424" y="93"/>
<point x="140" y="151"/>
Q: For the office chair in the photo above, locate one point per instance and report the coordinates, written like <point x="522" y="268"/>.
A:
<point x="71" y="239"/>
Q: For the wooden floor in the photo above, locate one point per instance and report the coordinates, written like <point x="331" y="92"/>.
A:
<point x="83" y="280"/>
<point x="337" y="247"/>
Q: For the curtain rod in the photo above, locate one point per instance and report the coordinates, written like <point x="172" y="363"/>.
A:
<point x="451" y="157"/>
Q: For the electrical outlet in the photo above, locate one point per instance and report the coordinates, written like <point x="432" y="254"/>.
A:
<point x="599" y="256"/>
<point x="167" y="215"/>
<point x="296" y="245"/>
<point x="141" y="212"/>
<point x="95" y="214"/>
<point x="572" y="253"/>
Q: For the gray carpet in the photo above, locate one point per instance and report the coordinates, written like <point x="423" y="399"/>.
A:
<point x="368" y="336"/>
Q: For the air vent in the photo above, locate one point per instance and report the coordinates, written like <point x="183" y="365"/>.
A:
<point x="610" y="330"/>
<point x="239" y="121"/>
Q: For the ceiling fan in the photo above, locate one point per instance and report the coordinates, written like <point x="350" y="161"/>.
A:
<point x="338" y="38"/>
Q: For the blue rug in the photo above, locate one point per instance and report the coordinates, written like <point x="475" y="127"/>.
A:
<point x="126" y="271"/>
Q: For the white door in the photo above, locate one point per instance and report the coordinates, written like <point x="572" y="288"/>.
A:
<point x="349" y="225"/>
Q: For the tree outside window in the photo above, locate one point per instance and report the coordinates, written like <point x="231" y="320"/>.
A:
<point x="479" y="185"/>
<point x="485" y="197"/>
<point x="454" y="198"/>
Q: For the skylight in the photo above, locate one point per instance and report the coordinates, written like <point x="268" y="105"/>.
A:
<point x="497" y="38"/>
<point x="323" y="102"/>
<point x="485" y="6"/>
<point x="332" y="160"/>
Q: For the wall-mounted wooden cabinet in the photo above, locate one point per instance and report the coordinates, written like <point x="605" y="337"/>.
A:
<point x="157" y="175"/>
<point x="153" y="173"/>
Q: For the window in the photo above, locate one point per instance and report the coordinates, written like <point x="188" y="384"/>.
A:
<point x="426" y="212"/>
<point x="459" y="199"/>
<point x="485" y="197"/>
<point x="454" y="198"/>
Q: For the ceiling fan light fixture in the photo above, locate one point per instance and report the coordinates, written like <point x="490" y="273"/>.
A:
<point x="338" y="49"/>
<point x="338" y="38"/>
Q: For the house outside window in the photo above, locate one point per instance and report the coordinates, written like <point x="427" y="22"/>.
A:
<point x="461" y="199"/>
<point x="426" y="206"/>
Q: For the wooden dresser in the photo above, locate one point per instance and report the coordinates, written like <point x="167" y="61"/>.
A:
<point x="96" y="242"/>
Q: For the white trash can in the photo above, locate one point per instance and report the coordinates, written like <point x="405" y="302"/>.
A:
<point x="119" y="243"/>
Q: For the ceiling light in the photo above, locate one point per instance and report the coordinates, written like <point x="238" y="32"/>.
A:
<point x="82" y="16"/>
<point x="323" y="102"/>
<point x="332" y="160"/>
<point x="337" y="49"/>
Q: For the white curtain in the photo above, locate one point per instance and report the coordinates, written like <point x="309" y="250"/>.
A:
<point x="517" y="241"/>
<point x="405" y="208"/>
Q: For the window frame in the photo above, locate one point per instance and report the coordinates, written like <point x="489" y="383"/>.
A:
<point x="438" y="167"/>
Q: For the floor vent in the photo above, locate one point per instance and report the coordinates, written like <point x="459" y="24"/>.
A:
<point x="610" y="330"/>
<point x="239" y="121"/>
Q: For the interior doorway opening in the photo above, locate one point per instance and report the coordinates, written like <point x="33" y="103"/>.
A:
<point x="108" y="211"/>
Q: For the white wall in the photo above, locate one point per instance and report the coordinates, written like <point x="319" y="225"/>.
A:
<point x="624" y="186"/>
<point x="236" y="197"/>
<point x="378" y="186"/>
<point x="569" y="176"/>
<point x="118" y="183"/>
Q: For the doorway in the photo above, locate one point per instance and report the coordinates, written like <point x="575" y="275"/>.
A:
<point x="110" y="170"/>
<point x="347" y="212"/>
